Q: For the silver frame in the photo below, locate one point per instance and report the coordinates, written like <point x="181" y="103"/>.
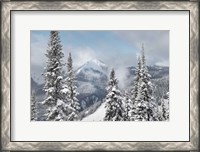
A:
<point x="7" y="6"/>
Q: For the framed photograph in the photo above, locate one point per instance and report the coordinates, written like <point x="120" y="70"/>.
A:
<point x="100" y="76"/>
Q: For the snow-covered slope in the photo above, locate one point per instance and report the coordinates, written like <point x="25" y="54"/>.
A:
<point x="98" y="115"/>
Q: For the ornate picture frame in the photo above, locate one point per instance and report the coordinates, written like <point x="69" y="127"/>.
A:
<point x="7" y="7"/>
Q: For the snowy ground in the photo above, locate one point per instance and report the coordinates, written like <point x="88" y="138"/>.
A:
<point x="98" y="115"/>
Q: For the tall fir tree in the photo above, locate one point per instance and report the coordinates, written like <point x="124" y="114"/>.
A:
<point x="33" y="107"/>
<point x="70" y="93"/>
<point x="54" y="79"/>
<point x="127" y="106"/>
<point x="134" y="92"/>
<point x="134" y="89"/>
<point x="114" y="107"/>
<point x="147" y="89"/>
<point x="143" y="106"/>
<point x="140" y="104"/>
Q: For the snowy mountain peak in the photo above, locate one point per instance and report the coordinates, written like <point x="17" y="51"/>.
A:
<point x="95" y="65"/>
<point x="97" y="62"/>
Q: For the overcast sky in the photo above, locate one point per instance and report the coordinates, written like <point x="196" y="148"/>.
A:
<point x="117" y="49"/>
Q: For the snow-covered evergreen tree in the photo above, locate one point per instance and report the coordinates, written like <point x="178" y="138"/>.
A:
<point x="54" y="79"/>
<point x="147" y="89"/>
<point x="165" y="108"/>
<point x="114" y="107"/>
<point x="140" y="111"/>
<point x="127" y="106"/>
<point x="143" y="107"/>
<point x="69" y="92"/>
<point x="134" y="91"/>
<point x="33" y="107"/>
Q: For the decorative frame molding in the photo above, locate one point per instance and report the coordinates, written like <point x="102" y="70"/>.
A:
<point x="8" y="6"/>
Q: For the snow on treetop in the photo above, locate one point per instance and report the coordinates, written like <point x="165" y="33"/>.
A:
<point x="60" y="102"/>
<point x="59" y="77"/>
<point x="64" y="91"/>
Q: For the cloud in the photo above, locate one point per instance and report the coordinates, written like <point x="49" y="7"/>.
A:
<point x="38" y="59"/>
<point x="38" y="47"/>
<point x="163" y="63"/>
<point x="156" y="43"/>
<point x="81" y="55"/>
<point x="121" y="74"/>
